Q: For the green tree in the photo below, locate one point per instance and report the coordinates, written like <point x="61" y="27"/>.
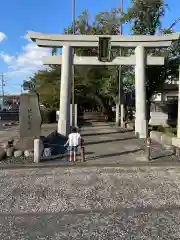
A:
<point x="145" y="18"/>
<point x="94" y="79"/>
<point x="47" y="84"/>
<point x="101" y="83"/>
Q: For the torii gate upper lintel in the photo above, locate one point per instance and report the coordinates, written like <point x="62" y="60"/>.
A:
<point x="59" y="40"/>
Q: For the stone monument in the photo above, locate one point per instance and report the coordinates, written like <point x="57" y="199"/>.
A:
<point x="29" y="120"/>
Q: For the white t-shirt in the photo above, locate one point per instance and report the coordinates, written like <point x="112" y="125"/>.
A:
<point x="74" y="139"/>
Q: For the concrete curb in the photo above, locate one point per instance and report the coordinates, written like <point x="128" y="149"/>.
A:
<point x="86" y="165"/>
<point x="167" y="141"/>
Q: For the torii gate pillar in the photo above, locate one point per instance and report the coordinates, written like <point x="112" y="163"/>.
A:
<point x="65" y="92"/>
<point x="140" y="92"/>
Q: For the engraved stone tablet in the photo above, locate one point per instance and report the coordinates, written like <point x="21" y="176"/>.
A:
<point x="29" y="120"/>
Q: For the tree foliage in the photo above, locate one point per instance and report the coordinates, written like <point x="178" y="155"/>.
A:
<point x="47" y="84"/>
<point x="101" y="83"/>
<point x="145" y="16"/>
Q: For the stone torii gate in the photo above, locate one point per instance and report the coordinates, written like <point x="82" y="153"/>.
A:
<point x="140" y="60"/>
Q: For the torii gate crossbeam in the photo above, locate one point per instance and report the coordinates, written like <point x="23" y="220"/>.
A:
<point x="90" y="61"/>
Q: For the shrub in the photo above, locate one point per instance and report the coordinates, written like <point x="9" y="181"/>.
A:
<point x="48" y="115"/>
<point x="171" y="131"/>
<point x="161" y="129"/>
<point x="153" y="128"/>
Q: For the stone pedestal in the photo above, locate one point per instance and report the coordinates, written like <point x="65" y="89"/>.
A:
<point x="29" y="121"/>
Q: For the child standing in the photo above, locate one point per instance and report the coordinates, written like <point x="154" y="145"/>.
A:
<point x="74" y="140"/>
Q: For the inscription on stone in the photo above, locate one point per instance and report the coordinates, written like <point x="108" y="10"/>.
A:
<point x="30" y="121"/>
<point x="29" y="118"/>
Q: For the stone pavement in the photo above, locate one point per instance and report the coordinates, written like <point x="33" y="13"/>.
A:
<point x="106" y="144"/>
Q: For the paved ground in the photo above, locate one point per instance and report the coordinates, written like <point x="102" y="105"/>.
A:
<point x="106" y="144"/>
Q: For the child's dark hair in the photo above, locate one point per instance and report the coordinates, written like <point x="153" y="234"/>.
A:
<point x="74" y="130"/>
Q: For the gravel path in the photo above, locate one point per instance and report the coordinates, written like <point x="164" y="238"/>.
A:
<point x="97" y="203"/>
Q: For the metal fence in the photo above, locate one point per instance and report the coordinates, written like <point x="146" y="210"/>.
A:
<point x="9" y="115"/>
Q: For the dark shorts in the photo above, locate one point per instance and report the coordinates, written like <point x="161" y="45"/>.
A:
<point x="72" y="148"/>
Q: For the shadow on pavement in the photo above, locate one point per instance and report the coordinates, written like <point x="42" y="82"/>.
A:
<point x="114" y="154"/>
<point x="109" y="141"/>
<point x="85" y="124"/>
<point x="103" y="125"/>
<point x="61" y="157"/>
<point x="162" y="156"/>
<point x="56" y="142"/>
<point x="105" y="133"/>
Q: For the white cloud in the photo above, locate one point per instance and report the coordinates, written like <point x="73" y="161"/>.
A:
<point x="2" y="36"/>
<point x="22" y="65"/>
<point x="26" y="37"/>
<point x="28" y="62"/>
<point x="6" y="58"/>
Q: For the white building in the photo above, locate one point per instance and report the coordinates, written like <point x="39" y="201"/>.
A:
<point x="169" y="92"/>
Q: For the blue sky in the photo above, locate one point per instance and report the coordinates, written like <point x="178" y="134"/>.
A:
<point x="19" y="57"/>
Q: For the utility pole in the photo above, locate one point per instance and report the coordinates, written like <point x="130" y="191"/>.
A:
<point x="121" y="105"/>
<point x="2" y="88"/>
<point x="73" y="80"/>
<point x="121" y="10"/>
